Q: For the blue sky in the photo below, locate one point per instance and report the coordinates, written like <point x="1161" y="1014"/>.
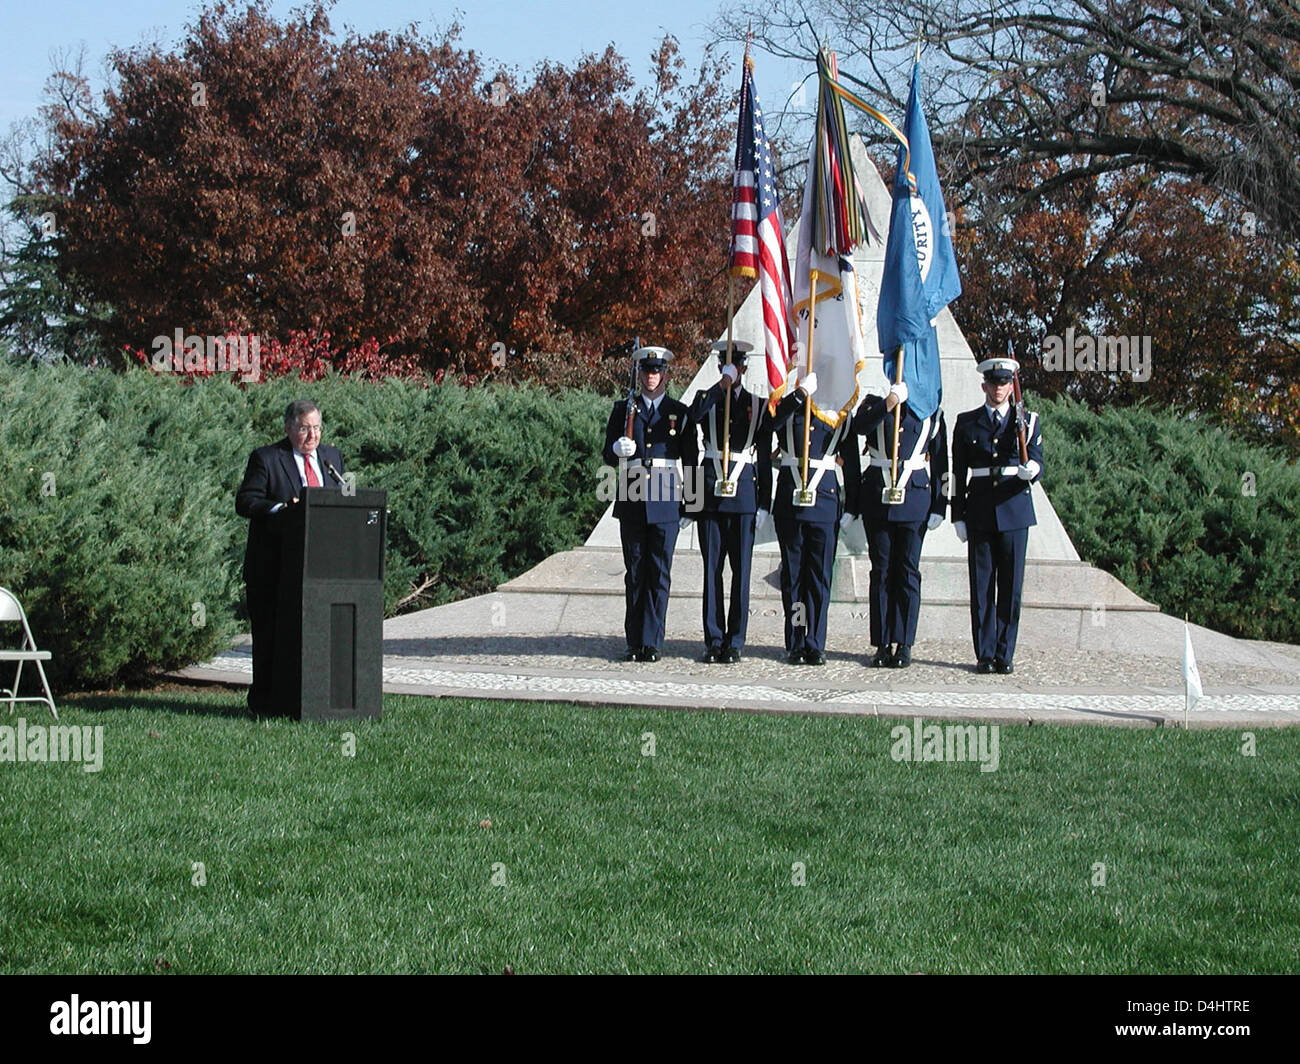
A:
<point x="517" y="32"/>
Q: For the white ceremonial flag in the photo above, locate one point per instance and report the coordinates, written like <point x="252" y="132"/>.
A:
<point x="827" y="286"/>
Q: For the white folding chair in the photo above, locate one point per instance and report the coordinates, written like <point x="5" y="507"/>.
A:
<point x="12" y="610"/>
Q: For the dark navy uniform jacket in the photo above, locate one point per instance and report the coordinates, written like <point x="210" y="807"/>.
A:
<point x="998" y="502"/>
<point x="652" y="494"/>
<point x="829" y="506"/>
<point x="924" y="489"/>
<point x="754" y="478"/>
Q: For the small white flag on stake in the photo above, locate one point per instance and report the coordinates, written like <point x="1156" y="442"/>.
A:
<point x="1191" y="675"/>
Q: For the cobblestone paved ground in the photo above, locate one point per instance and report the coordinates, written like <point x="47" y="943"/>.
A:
<point x="1048" y="686"/>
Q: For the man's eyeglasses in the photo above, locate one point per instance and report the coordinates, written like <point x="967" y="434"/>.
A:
<point x="307" y="430"/>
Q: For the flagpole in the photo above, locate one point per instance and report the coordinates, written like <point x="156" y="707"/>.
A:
<point x="894" y="495"/>
<point x="726" y="403"/>
<point x="807" y="399"/>
<point x="723" y="487"/>
<point x="812" y="300"/>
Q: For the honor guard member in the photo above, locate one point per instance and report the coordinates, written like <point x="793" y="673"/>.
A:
<point x="649" y="504"/>
<point x="896" y="520"/>
<point x="807" y="518"/>
<point x="992" y="512"/>
<point x="737" y="496"/>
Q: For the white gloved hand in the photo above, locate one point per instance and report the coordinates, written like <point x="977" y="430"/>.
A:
<point x="900" y="390"/>
<point x="933" y="521"/>
<point x="1029" y="470"/>
<point x="730" y="373"/>
<point x="760" y="519"/>
<point x="683" y="523"/>
<point x="624" y="447"/>
<point x="960" y="528"/>
<point x="808" y="383"/>
<point x="853" y="534"/>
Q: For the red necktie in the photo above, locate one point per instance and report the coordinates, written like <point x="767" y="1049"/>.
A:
<point x="313" y="481"/>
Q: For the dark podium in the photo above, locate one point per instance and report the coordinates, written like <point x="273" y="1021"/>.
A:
<point x="330" y="612"/>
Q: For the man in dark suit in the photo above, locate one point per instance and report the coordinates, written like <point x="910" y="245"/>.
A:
<point x="735" y="503"/>
<point x="993" y="513"/>
<point x="808" y="534"/>
<point x="896" y="531"/>
<point x="273" y="481"/>
<point x="649" y="503"/>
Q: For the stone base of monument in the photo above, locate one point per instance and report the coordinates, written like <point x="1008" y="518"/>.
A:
<point x="1063" y="585"/>
<point x="1067" y="606"/>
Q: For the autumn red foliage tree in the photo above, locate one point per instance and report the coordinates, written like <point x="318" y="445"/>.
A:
<point x="1145" y="257"/>
<point x="267" y="178"/>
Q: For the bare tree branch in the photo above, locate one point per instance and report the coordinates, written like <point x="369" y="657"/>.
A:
<point x="1205" y="88"/>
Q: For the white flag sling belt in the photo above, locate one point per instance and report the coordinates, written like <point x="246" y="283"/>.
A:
<point x="728" y="466"/>
<point x="918" y="459"/>
<point x="799" y="464"/>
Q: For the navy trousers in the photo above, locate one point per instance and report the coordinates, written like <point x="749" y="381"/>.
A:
<point x="807" y="564"/>
<point x="729" y="538"/>
<point x="997" y="571"/>
<point x="894" y="587"/>
<point x="648" y="564"/>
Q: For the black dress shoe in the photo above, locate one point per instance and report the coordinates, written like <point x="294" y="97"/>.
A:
<point x="649" y="654"/>
<point x="902" y="657"/>
<point x="1004" y="667"/>
<point x="795" y="657"/>
<point x="632" y="654"/>
<point x="730" y="656"/>
<point x="814" y="657"/>
<point x="883" y="659"/>
<point x="985" y="666"/>
<point x="711" y="656"/>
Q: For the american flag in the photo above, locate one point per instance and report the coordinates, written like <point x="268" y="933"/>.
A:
<point x="757" y="239"/>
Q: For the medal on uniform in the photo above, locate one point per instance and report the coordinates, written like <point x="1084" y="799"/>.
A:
<point x="672" y="424"/>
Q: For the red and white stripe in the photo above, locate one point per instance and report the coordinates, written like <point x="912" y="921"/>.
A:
<point x="774" y="290"/>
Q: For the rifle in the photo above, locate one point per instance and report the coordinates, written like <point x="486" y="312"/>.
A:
<point x="632" y="390"/>
<point x="1022" y="420"/>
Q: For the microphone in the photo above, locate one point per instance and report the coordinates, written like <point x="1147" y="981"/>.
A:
<point x="329" y="468"/>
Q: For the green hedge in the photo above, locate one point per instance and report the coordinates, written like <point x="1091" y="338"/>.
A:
<point x="119" y="532"/>
<point x="1186" y="516"/>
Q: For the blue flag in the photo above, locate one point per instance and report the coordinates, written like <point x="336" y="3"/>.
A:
<point x="920" y="276"/>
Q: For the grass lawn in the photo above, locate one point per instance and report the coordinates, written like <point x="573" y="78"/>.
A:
<point x="599" y="858"/>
